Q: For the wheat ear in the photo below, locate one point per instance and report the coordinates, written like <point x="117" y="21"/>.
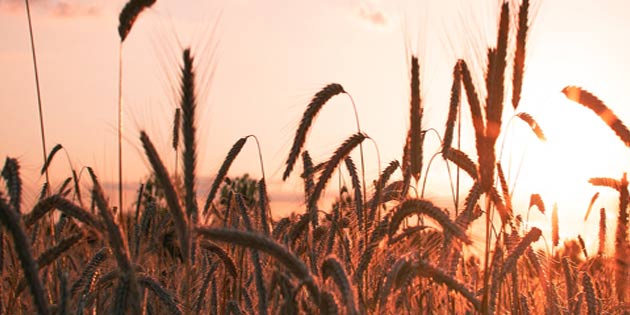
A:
<point x="313" y="108"/>
<point x="260" y="242"/>
<point x="331" y="267"/>
<point x="66" y="207"/>
<point x="519" y="53"/>
<point x="456" y="91"/>
<point x="166" y="297"/>
<point x="188" y="105"/>
<point x="11" y="175"/>
<point x="128" y="16"/>
<point x="356" y="188"/>
<point x="411" y="207"/>
<point x="462" y="161"/>
<point x="593" y="103"/>
<point x="533" y="124"/>
<point x="174" y="206"/>
<point x="342" y="151"/>
<point x="412" y="156"/>
<point x="591" y="299"/>
<point x="231" y="156"/>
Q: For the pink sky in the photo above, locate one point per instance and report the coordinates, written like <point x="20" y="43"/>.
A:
<point x="272" y="56"/>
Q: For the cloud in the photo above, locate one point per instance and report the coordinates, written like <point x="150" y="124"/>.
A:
<point x="370" y="13"/>
<point x="56" y="8"/>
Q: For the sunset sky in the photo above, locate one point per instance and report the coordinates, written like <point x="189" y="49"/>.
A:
<point x="259" y="63"/>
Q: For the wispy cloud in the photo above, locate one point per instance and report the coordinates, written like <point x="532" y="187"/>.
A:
<point x="372" y="13"/>
<point x="56" y="8"/>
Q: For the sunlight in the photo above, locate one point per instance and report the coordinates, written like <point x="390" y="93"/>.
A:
<point x="579" y="146"/>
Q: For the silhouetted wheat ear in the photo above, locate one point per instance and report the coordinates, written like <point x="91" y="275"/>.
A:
<point x="582" y="246"/>
<point x="225" y="167"/>
<point x="379" y="186"/>
<point x="419" y="207"/>
<point x="340" y="153"/>
<point x="52" y="253"/>
<point x="462" y="161"/>
<point x="169" y="300"/>
<point x="356" y="188"/>
<point x="532" y="124"/>
<point x="10" y="220"/>
<point x="313" y="108"/>
<point x="66" y="207"/>
<point x="331" y="267"/>
<point x="519" y="53"/>
<point x="260" y="242"/>
<point x="510" y="262"/>
<point x="177" y="124"/>
<point x="496" y="76"/>
<point x="602" y="232"/>
<point x="128" y="16"/>
<point x="11" y="175"/>
<point x="188" y="105"/>
<point x="590" y="205"/>
<point x="227" y="262"/>
<point x="473" y="101"/>
<point x="569" y="279"/>
<point x="413" y="146"/>
<point x="469" y="205"/>
<point x="593" y="103"/>
<point x="51" y="155"/>
<point x="90" y="268"/>
<point x="439" y="276"/>
<point x="263" y="204"/>
<point x="456" y="91"/>
<point x="504" y="188"/>
<point x="308" y="174"/>
<point x="536" y="200"/>
<point x="172" y="199"/>
<point x="591" y="298"/>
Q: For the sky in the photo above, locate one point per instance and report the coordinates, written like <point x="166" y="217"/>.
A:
<point x="259" y="63"/>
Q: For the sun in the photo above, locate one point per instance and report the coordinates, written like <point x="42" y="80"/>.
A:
<point x="579" y="146"/>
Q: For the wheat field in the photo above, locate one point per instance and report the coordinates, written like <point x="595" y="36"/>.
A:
<point x="378" y="248"/>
